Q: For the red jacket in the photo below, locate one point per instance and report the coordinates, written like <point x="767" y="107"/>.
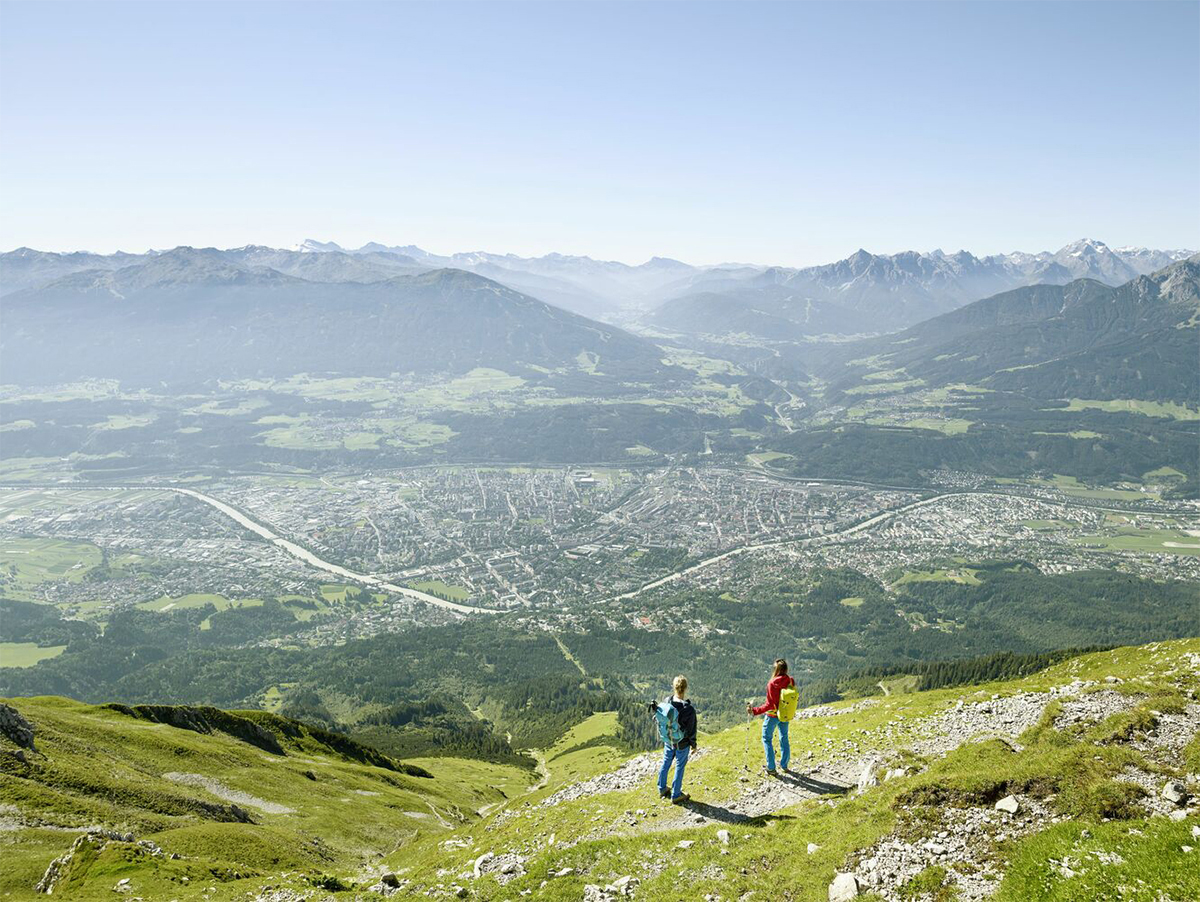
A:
<point x="777" y="685"/>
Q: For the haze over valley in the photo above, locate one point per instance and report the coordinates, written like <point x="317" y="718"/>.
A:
<point x="696" y="458"/>
<point x="447" y="443"/>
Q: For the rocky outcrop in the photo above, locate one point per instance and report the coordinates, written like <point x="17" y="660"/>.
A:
<point x="15" y="728"/>
<point x="86" y="847"/>
<point x="205" y="720"/>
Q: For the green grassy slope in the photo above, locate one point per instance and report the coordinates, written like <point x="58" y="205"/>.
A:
<point x="1073" y="753"/>
<point x="235" y="811"/>
<point x="1073" y="772"/>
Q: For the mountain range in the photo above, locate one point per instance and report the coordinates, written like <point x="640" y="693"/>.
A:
<point x="1083" y="339"/>
<point x="870" y="293"/>
<point x="864" y="293"/>
<point x="189" y="314"/>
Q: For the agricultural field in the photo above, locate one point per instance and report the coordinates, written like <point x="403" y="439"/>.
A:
<point x="27" y="562"/>
<point x="1070" y="485"/>
<point x="945" y="425"/>
<point x="1164" y="409"/>
<point x="26" y="654"/>
<point x="1146" y="541"/>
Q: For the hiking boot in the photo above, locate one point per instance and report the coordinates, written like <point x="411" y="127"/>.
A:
<point x="664" y="793"/>
<point x="681" y="799"/>
<point x="771" y="773"/>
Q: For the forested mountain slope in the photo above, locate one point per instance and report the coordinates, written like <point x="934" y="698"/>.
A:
<point x="1083" y="339"/>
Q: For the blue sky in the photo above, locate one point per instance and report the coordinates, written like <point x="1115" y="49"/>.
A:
<point x="782" y="133"/>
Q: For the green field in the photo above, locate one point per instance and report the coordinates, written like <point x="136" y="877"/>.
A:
<point x="299" y="437"/>
<point x="1077" y="433"/>
<point x="361" y="441"/>
<point x="26" y="469"/>
<point x="335" y="592"/>
<point x="896" y="375"/>
<point x="87" y="390"/>
<point x="1049" y="525"/>
<point x="900" y="685"/>
<point x="197" y="600"/>
<point x="347" y="388"/>
<point x="443" y="590"/>
<point x="125" y="421"/>
<point x="476" y="390"/>
<point x="1170" y="474"/>
<point x="582" y="752"/>
<point x="26" y="654"/>
<point x="945" y="425"/>
<point x="304" y="434"/>
<point x="1166" y="409"/>
<point x="1070" y="485"/>
<point x="1146" y="541"/>
<point x="25" y="563"/>
<point x="963" y="575"/>
<point x="885" y="388"/>
<point x="762" y="458"/>
<point x="233" y="407"/>
<point x="604" y="836"/>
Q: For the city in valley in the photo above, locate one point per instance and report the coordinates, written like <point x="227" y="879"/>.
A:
<point x="355" y="554"/>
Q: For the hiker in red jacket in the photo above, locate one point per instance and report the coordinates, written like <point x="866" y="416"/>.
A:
<point x="779" y="681"/>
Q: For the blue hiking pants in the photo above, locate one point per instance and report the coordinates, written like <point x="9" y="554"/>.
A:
<point x="785" y="748"/>
<point x="679" y="758"/>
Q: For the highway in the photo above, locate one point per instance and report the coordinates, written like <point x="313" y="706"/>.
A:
<point x="861" y="526"/>
<point x="742" y="549"/>
<point x="319" y="563"/>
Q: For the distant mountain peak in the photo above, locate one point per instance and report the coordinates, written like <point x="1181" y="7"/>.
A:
<point x="311" y="245"/>
<point x="1086" y="246"/>
<point x="665" y="263"/>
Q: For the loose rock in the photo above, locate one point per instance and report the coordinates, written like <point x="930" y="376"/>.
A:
<point x="1174" y="791"/>
<point x="1008" y="804"/>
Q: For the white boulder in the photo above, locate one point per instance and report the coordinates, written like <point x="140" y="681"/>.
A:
<point x="844" y="887"/>
<point x="1008" y="804"/>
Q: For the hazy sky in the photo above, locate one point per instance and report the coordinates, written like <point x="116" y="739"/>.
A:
<point x="782" y="133"/>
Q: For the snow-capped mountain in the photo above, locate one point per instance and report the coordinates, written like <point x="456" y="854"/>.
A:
<point x="885" y="292"/>
<point x="1146" y="260"/>
<point x="878" y="291"/>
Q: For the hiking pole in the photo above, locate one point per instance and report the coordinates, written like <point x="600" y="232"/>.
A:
<point x="746" y="755"/>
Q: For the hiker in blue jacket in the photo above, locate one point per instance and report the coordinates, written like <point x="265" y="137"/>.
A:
<point x="679" y="739"/>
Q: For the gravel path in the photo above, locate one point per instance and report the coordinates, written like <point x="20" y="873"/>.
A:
<point x="221" y="791"/>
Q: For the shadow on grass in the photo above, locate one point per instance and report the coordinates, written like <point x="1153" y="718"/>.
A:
<point x="726" y="816"/>
<point x="813" y="783"/>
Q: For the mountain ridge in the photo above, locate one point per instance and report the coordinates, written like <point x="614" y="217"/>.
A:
<point x="1014" y="338"/>
<point x="190" y="313"/>
<point x="888" y="292"/>
<point x="892" y="290"/>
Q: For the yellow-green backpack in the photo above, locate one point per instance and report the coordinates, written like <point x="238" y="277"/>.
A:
<point x="789" y="700"/>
